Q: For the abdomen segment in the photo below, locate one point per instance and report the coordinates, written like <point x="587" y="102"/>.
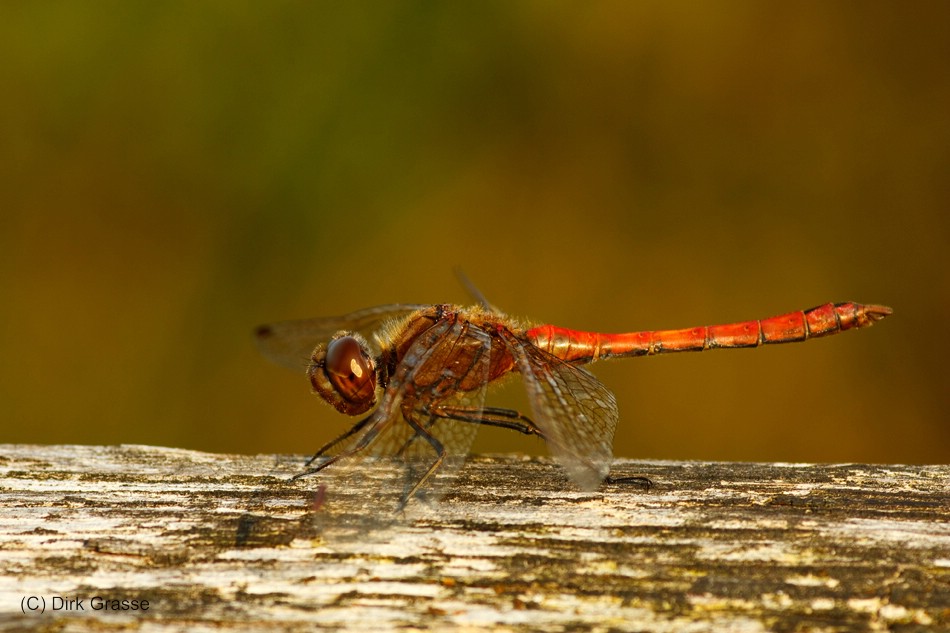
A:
<point x="579" y="347"/>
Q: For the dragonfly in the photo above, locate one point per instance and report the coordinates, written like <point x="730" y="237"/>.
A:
<point x="416" y="375"/>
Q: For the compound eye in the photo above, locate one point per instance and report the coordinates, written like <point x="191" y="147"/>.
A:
<point x="350" y="370"/>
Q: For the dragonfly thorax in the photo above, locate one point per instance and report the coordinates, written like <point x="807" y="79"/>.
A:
<point x="344" y="374"/>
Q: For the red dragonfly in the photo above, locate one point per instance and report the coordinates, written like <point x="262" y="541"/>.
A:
<point x="425" y="369"/>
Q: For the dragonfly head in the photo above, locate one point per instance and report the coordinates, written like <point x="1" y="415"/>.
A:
<point x="344" y="373"/>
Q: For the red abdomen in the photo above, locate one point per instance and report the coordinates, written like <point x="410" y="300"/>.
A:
<point x="582" y="347"/>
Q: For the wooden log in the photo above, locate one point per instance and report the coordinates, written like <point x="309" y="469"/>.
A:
<point x="125" y="537"/>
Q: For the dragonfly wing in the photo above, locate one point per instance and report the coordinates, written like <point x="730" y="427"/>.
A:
<point x="576" y="413"/>
<point x="290" y="343"/>
<point x="474" y="292"/>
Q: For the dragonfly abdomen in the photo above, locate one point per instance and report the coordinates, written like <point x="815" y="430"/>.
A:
<point x="580" y="347"/>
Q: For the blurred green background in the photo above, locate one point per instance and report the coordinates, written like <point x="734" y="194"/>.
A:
<point x="174" y="173"/>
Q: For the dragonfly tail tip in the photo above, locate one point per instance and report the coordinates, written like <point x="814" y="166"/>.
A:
<point x="877" y="312"/>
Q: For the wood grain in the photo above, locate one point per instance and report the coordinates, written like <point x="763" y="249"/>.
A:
<point x="225" y="542"/>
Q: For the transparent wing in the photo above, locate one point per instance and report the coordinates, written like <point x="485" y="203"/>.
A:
<point x="445" y="369"/>
<point x="575" y="411"/>
<point x="473" y="291"/>
<point x="290" y="343"/>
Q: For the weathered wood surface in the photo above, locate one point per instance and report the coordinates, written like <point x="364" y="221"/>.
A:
<point x="223" y="542"/>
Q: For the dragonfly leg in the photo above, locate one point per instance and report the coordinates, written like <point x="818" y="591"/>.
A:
<point x="490" y="416"/>
<point x="422" y="432"/>
<point x="316" y="469"/>
<point x="365" y="441"/>
<point x="353" y="429"/>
